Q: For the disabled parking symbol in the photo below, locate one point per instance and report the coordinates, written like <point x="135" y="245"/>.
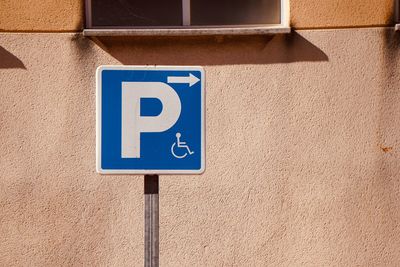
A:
<point x="182" y="145"/>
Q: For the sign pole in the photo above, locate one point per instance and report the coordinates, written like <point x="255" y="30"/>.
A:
<point x="151" y="222"/>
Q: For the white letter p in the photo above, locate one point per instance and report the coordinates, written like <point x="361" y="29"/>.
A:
<point x="133" y="124"/>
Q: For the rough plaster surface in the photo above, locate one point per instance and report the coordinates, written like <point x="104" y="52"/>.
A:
<point x="51" y="15"/>
<point x="341" y="13"/>
<point x="41" y="15"/>
<point x="303" y="163"/>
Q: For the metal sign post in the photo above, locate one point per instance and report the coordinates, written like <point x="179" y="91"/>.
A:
<point x="151" y="222"/>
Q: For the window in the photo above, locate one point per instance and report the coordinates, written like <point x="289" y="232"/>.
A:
<point x="397" y="15"/>
<point x="128" y="13"/>
<point x="186" y="14"/>
<point x="235" y="12"/>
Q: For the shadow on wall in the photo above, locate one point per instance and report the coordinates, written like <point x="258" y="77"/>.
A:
<point x="9" y="61"/>
<point x="221" y="50"/>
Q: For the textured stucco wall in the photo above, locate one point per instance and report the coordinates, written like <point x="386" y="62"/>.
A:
<point x="303" y="162"/>
<point x="41" y="15"/>
<point x="51" y="15"/>
<point x="341" y="13"/>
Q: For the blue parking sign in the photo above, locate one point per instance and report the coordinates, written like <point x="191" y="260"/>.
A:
<point x="150" y="120"/>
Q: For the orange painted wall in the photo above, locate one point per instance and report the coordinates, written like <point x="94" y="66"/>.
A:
<point x="341" y="13"/>
<point x="41" y="15"/>
<point x="52" y="15"/>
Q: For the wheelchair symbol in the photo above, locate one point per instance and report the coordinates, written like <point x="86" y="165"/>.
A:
<point x="182" y="145"/>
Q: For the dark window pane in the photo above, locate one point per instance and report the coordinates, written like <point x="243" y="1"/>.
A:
<point x="136" y="13"/>
<point x="235" y="12"/>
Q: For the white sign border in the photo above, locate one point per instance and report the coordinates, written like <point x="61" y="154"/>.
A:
<point x="99" y="117"/>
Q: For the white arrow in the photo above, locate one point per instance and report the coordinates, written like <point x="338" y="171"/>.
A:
<point x="191" y="79"/>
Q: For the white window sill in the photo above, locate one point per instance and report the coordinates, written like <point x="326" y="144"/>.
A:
<point x="251" y="30"/>
<point x="397" y="27"/>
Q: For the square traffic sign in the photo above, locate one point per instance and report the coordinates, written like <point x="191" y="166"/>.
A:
<point x="150" y="120"/>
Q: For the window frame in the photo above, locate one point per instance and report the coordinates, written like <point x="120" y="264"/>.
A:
<point x="186" y="29"/>
<point x="397" y="15"/>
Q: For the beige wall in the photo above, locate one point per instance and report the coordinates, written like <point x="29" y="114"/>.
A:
<point x="51" y="15"/>
<point x="303" y="162"/>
